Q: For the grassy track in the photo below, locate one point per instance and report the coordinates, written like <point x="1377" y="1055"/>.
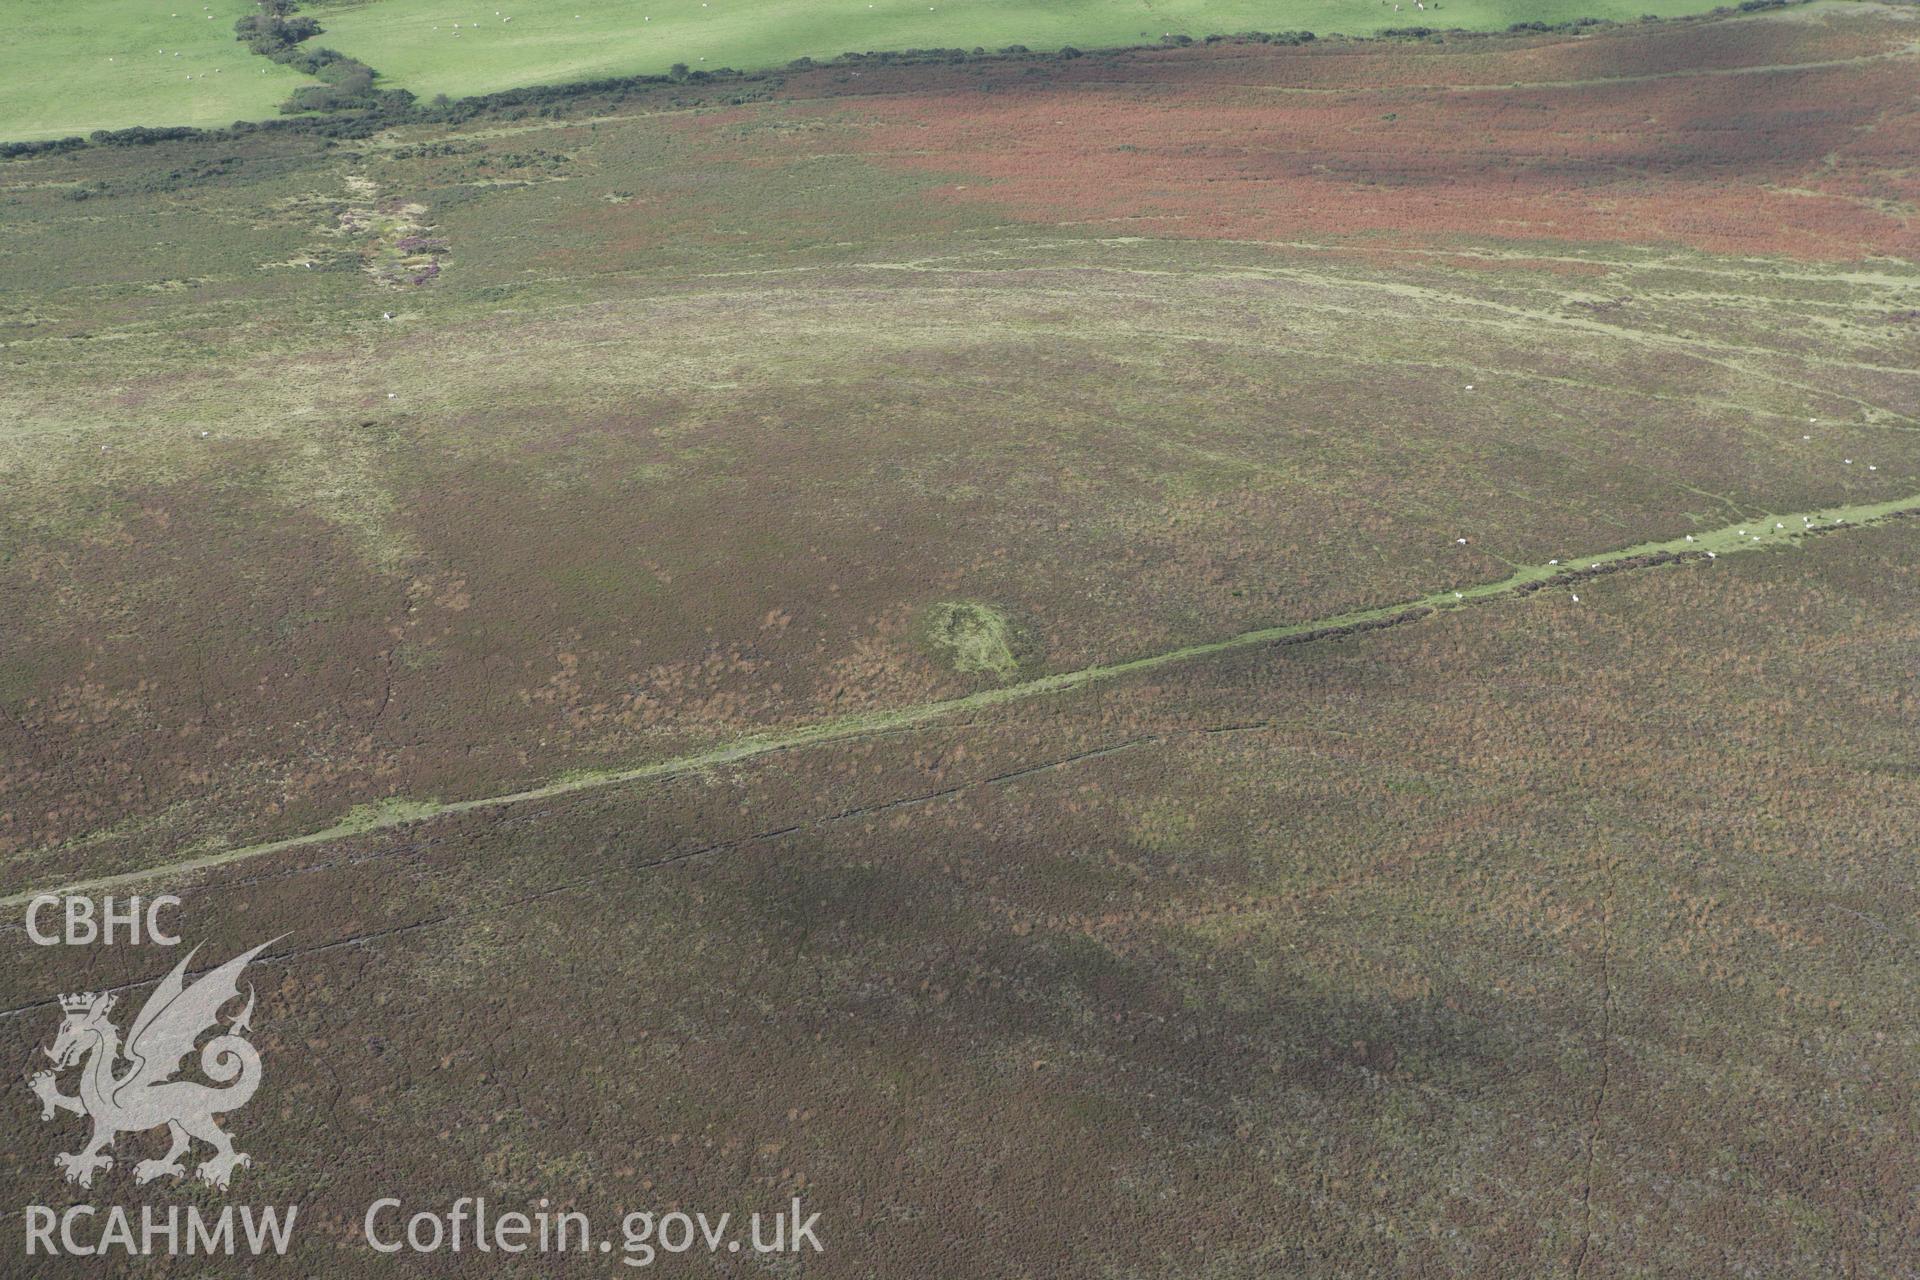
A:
<point x="72" y="66"/>
<point x="1762" y="532"/>
<point x="417" y="46"/>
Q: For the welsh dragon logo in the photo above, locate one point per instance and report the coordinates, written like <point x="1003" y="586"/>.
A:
<point x="145" y="1094"/>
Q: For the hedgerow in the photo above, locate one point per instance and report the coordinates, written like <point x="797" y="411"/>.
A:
<point x="348" y="105"/>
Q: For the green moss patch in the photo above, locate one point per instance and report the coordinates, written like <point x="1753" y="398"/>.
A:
<point x="973" y="638"/>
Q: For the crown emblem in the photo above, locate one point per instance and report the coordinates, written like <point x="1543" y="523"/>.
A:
<point x="81" y="1002"/>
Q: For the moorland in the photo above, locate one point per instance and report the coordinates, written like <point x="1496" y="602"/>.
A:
<point x="1232" y="660"/>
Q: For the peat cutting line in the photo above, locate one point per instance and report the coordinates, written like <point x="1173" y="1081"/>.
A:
<point x="1773" y="531"/>
<point x="492" y="906"/>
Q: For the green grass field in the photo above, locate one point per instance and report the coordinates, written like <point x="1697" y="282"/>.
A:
<point x="73" y="66"/>
<point x="175" y="62"/>
<point x="417" y="46"/>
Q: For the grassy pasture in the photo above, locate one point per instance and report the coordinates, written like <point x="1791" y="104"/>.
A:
<point x="73" y="66"/>
<point x="416" y="45"/>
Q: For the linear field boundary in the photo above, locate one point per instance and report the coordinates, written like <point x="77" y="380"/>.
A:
<point x="1757" y="533"/>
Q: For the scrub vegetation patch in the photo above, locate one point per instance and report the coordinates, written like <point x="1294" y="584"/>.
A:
<point x="974" y="639"/>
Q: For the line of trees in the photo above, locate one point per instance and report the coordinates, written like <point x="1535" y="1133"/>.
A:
<point x="277" y="32"/>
